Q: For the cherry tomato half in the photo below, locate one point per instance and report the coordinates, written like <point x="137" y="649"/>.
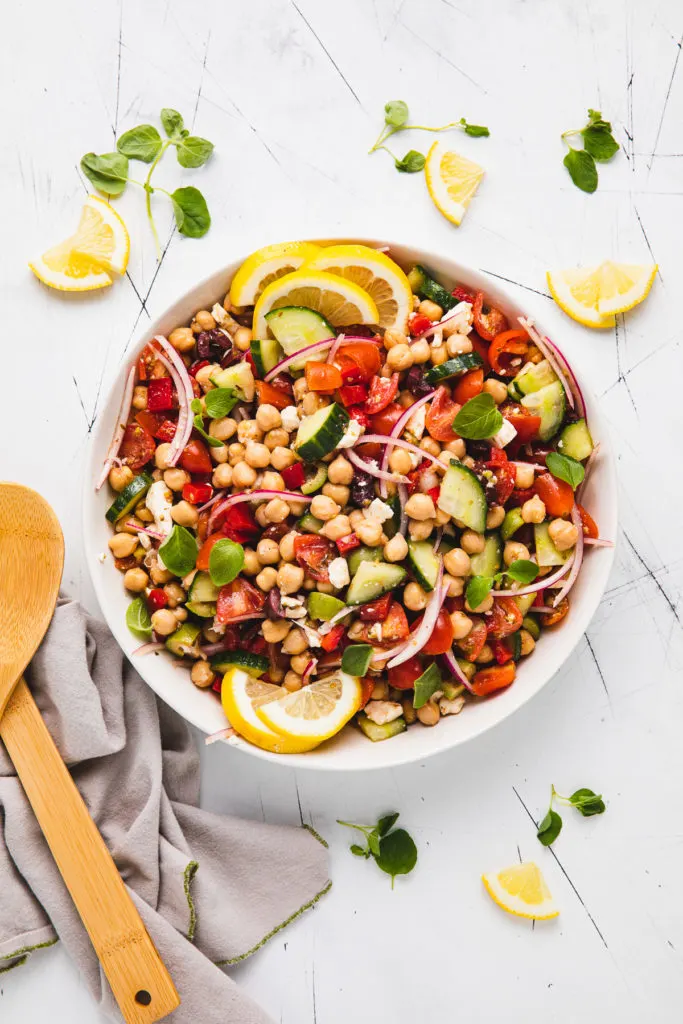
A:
<point x="365" y="355"/>
<point x="238" y="598"/>
<point x="395" y="627"/>
<point x="590" y="527"/>
<point x="495" y="677"/>
<point x="383" y="390"/>
<point x="441" y="639"/>
<point x="505" y="617"/>
<point x="472" y="644"/>
<point x="195" y="457"/>
<point x="137" y="447"/>
<point x="505" y="347"/>
<point x="403" y="677"/>
<point x="488" y="321"/>
<point x="440" y="415"/>
<point x="323" y="377"/>
<point x="314" y="554"/>
<point x="556" y="495"/>
<point x="524" y="422"/>
<point x="383" y="422"/>
<point x="470" y="385"/>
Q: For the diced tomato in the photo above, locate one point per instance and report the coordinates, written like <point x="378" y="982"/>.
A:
<point x="197" y="494"/>
<point x="414" y="480"/>
<point x="350" y="371"/>
<point x="269" y="395"/>
<point x="524" y="422"/>
<point x="248" y="358"/>
<point x="463" y="295"/>
<point x="394" y="627"/>
<point x="195" y="457"/>
<point x="325" y="377"/>
<point x="505" y="617"/>
<point x="314" y="554"/>
<point x="365" y="355"/>
<point x="556" y="495"/>
<point x="469" y="385"/>
<point x="472" y="644"/>
<point x="137" y="447"/>
<point x="504" y="472"/>
<point x="403" y="677"/>
<point x="367" y="685"/>
<point x="160" y="394"/>
<point x="330" y="641"/>
<point x="205" y="550"/>
<point x="441" y="639"/>
<point x="501" y="651"/>
<point x="376" y="611"/>
<point x="149" y="420"/>
<point x="239" y="523"/>
<point x="293" y="476"/>
<point x="166" y="431"/>
<point x="495" y="677"/>
<point x="539" y="600"/>
<point x="157" y="599"/>
<point x="505" y="348"/>
<point x="481" y="347"/>
<point x="488" y="321"/>
<point x="356" y="413"/>
<point x="238" y="598"/>
<point x="517" y="498"/>
<point x="434" y="493"/>
<point x="419" y="323"/>
<point x="383" y="422"/>
<point x="590" y="527"/>
<point x="203" y="525"/>
<point x="347" y="543"/>
<point x="497" y="457"/>
<point x="353" y="394"/>
<point x="383" y="390"/>
<point x="146" y="362"/>
<point x="557" y="614"/>
<point x="198" y="365"/>
<point x="440" y="415"/>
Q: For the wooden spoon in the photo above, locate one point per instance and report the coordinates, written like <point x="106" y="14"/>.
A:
<point x="31" y="561"/>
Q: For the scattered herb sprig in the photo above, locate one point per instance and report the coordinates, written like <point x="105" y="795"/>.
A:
<point x="586" y="803"/>
<point x="393" y="849"/>
<point x="478" y="589"/>
<point x="108" y="172"/>
<point x="396" y="120"/>
<point x="598" y="144"/>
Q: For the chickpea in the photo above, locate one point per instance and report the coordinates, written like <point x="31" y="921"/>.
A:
<point x="139" y="397"/>
<point x="369" y="532"/>
<point x="324" y="508"/>
<point x="338" y="492"/>
<point x="273" y="482"/>
<point x="420" y="530"/>
<point x="249" y="430"/>
<point x="428" y="444"/>
<point x="287" y="546"/>
<point x="457" y="344"/>
<point x="420" y="507"/>
<point x="380" y="690"/>
<point x="174" y="594"/>
<point x="260" y="516"/>
<point x="356" y="517"/>
<point x="222" y="476"/>
<point x="275" y="630"/>
<point x="325" y="588"/>
<point x="299" y="663"/>
<point x="441" y="517"/>
<point x="494" y="517"/>
<point x="564" y="535"/>
<point x="144" y="514"/>
<point x="278" y="438"/>
<point x="268" y="417"/>
<point x="462" y="625"/>
<point x="223" y="429"/>
<point x="160" y="576"/>
<point x="297" y="508"/>
<point x="485" y="606"/>
<point x="437" y="356"/>
<point x="300" y="388"/>
<point x="120" y="477"/>
<point x="295" y="642"/>
<point x="485" y="655"/>
<point x="122" y="545"/>
<point x="338" y="527"/>
<point x="161" y="456"/>
<point x="219" y="454"/>
<point x="420" y="351"/>
<point x="292" y="681"/>
<point x="429" y="713"/>
<point x="514" y="551"/>
<point x="185" y="514"/>
<point x="400" y="358"/>
<point x="356" y="630"/>
<point x="340" y="471"/>
<point x="135" y="580"/>
<point x="267" y="578"/>
<point x="252" y="562"/>
<point x="290" y="578"/>
<point x="281" y="457"/>
<point x="472" y="542"/>
<point x="203" y="321"/>
<point x="242" y="338"/>
<point x="256" y="455"/>
<point x="524" y="476"/>
<point x="414" y="597"/>
<point x="277" y="510"/>
<point x="400" y="461"/>
<point x="243" y="475"/>
<point x="203" y="376"/>
<point x="180" y="614"/>
<point x="164" y="622"/>
<point x="409" y="712"/>
<point x="534" y="355"/>
<point x="454" y="585"/>
<point x="393" y="338"/>
<point x="202" y="674"/>
<point x="533" y="510"/>
<point x="176" y="478"/>
<point x="496" y="389"/>
<point x="457" y="562"/>
<point x="430" y="309"/>
<point x="527" y="641"/>
<point x="235" y="453"/>
<point x="182" y="339"/>
<point x="396" y="549"/>
<point x="268" y="551"/>
<point x="456" y="448"/>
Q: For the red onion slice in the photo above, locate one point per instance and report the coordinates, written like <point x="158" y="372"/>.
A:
<point x="331" y="623"/>
<point x="146" y="529"/>
<point x="309" y="670"/>
<point x="212" y="501"/>
<point x="397" y="430"/>
<point x="371" y="468"/>
<point x="437" y="539"/>
<point x="258" y="495"/>
<point x="148" y="648"/>
<point x="185" y="397"/>
<point x="419" y="638"/>
<point x="122" y="419"/>
<point x="400" y="443"/>
<point x="539" y="584"/>
<point x="578" y="558"/>
<point x="317" y="346"/>
<point x="335" y="347"/>
<point x="452" y="663"/>
<point x="222" y="734"/>
<point x="598" y="542"/>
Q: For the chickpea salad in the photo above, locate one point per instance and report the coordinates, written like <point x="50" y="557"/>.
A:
<point x="348" y="493"/>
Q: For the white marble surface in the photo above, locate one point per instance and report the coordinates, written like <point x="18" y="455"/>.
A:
<point x="292" y="95"/>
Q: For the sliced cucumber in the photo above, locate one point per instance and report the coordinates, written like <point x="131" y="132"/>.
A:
<point x="238" y="377"/>
<point x="462" y="496"/>
<point x="362" y="554"/>
<point x="524" y="602"/>
<point x="186" y="635"/>
<point x="202" y="609"/>
<point x="513" y="642"/>
<point x="424" y="563"/>
<point x="295" y="327"/>
<point x="532" y="377"/>
<point x="550" y="404"/>
<point x="203" y="589"/>
<point x="424" y="285"/>
<point x="316" y="479"/>
<point x="252" y="664"/>
<point x="372" y="580"/>
<point x="530" y="624"/>
<point x="576" y="441"/>
<point x="488" y="561"/>
<point x="323" y="606"/>
<point x="546" y="552"/>
<point x="320" y="433"/>
<point x="455" y="367"/>
<point x="390" y="526"/>
<point x="513" y="521"/>
<point x="129" y="497"/>
<point x="309" y="524"/>
<point x="376" y="732"/>
<point x="266" y="353"/>
<point x="468" y="668"/>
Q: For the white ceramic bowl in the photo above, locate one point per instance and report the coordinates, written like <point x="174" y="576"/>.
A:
<point x="350" y="750"/>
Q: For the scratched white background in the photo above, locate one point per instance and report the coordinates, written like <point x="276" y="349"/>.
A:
<point x="292" y="95"/>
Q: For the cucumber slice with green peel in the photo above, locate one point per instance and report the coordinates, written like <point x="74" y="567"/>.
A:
<point x="513" y="521"/>
<point x="530" y="624"/>
<point x="452" y="690"/>
<point x="513" y="642"/>
<point x="576" y="441"/>
<point x="309" y="524"/>
<point x="315" y="480"/>
<point x="424" y="285"/>
<point x="532" y="377"/>
<point x="266" y="353"/>
<point x="372" y="580"/>
<point x="203" y="589"/>
<point x="126" y="501"/>
<point x="253" y="664"/>
<point x="468" y="668"/>
<point x="320" y="433"/>
<point x="550" y="404"/>
<point x="488" y="561"/>
<point x="390" y="526"/>
<point x="376" y="732"/>
<point x="186" y="635"/>
<point x="295" y="327"/>
<point x="424" y="563"/>
<point x="239" y="377"/>
<point x="363" y="554"/>
<point x="455" y="367"/>
<point x="462" y="496"/>
<point x="524" y="602"/>
<point x="546" y="552"/>
<point x="323" y="606"/>
<point x="202" y="609"/>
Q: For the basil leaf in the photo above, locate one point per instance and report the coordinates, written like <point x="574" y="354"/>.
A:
<point x="563" y="467"/>
<point x="426" y="684"/>
<point x="141" y="143"/>
<point x="212" y="442"/>
<point x="411" y="162"/>
<point x="356" y="658"/>
<point x="478" y="419"/>
<point x="138" y="618"/>
<point x="386" y="823"/>
<point x="477" y="131"/>
<point x="373" y="842"/>
<point x="191" y="212"/>
<point x="478" y="589"/>
<point x="179" y="551"/>
<point x="172" y="121"/>
<point x="359" y="851"/>
<point x="396" y="113"/>
<point x="587" y="802"/>
<point x="522" y="571"/>
<point x="220" y="401"/>
<point x="599" y="142"/>
<point x="595" y="120"/>
<point x="550" y="828"/>
<point x="397" y="854"/>
<point x="193" y="151"/>
<point x="108" y="172"/>
<point x="226" y="561"/>
<point x="582" y="169"/>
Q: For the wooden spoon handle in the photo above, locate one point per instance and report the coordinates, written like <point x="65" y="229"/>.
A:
<point x="139" y="980"/>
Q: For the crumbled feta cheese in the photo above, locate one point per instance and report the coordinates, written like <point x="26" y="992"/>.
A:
<point x="102" y="557"/>
<point x="451" y="707"/>
<point x="293" y="606"/>
<point x="291" y="602"/>
<point x="379" y="510"/>
<point x="416" y="424"/>
<point x="222" y="318"/>
<point x="290" y="418"/>
<point x="459" y="319"/>
<point x="338" y="570"/>
<point x="145" y="541"/>
<point x="159" y="501"/>
<point x="437" y="339"/>
<point x="353" y="433"/>
<point x="375" y="632"/>
<point x="312" y="635"/>
<point x="506" y="433"/>
<point x="383" y="711"/>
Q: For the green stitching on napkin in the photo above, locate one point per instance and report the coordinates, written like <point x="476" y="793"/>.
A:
<point x="24" y="954"/>
<point x="316" y="835"/>
<point x="190" y="872"/>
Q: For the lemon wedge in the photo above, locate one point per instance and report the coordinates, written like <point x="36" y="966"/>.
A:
<point x="86" y="260"/>
<point x="314" y="712"/>
<point x="265" y="266"/>
<point x="521" y="890"/>
<point x="452" y="180"/>
<point x="375" y="273"/>
<point x="241" y="695"/>
<point x="340" y="301"/>
<point x="593" y="295"/>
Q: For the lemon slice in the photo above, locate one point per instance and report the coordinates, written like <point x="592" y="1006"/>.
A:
<point x="452" y="180"/>
<point x="521" y="890"/>
<point x="379" y="276"/>
<point x="314" y="712"/>
<point x="241" y="695"/>
<point x="340" y="301"/>
<point x="84" y="261"/>
<point x="592" y="295"/>
<point x="265" y="266"/>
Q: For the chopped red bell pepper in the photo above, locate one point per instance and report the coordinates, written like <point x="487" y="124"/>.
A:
<point x="347" y="543"/>
<point x="157" y="599"/>
<point x="356" y="413"/>
<point x="376" y="611"/>
<point x="293" y="476"/>
<point x="330" y="641"/>
<point x="497" y="457"/>
<point x="239" y="524"/>
<point x="539" y="600"/>
<point x="419" y="323"/>
<point x="353" y="394"/>
<point x="166" y="431"/>
<point x="197" y="494"/>
<point x="434" y="493"/>
<point x="160" y="394"/>
<point x="351" y="372"/>
<point x="196" y="366"/>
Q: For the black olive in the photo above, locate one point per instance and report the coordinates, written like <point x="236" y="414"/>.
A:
<point x="362" y="489"/>
<point x="415" y="382"/>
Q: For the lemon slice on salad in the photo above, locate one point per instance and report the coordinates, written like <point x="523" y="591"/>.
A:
<point x="521" y="890"/>
<point x="452" y="180"/>
<point x="340" y="301"/>
<point x="592" y="295"/>
<point x="241" y="695"/>
<point x="314" y="712"/>
<point x="265" y="266"/>
<point x="84" y="261"/>
<point x="379" y="276"/>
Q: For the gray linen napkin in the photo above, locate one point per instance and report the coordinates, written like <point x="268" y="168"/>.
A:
<point x="210" y="889"/>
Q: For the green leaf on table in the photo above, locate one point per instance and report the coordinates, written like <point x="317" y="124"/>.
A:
<point x="396" y="113"/>
<point x="587" y="802"/>
<point x="359" y="851"/>
<point x="141" y="143"/>
<point x="478" y="418"/>
<point x="411" y="162"/>
<point x="220" y="402"/>
<point x="582" y="169"/>
<point x="173" y="122"/>
<point x="193" y="151"/>
<point x="108" y="172"/>
<point x="563" y="467"/>
<point x="522" y="571"/>
<point x="426" y="684"/>
<point x="550" y="828"/>
<point x="386" y="823"/>
<point x="191" y="212"/>
<point x="478" y="589"/>
<point x="179" y="551"/>
<point x="226" y="561"/>
<point x="138" y="618"/>
<point x="477" y="131"/>
<point x="599" y="142"/>
<point x="397" y="854"/>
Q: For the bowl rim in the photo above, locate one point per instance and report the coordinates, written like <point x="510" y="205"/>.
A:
<point x="327" y="759"/>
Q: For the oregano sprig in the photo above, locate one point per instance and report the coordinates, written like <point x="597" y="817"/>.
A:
<point x="586" y="802"/>
<point x="393" y="849"/>
<point x="396" y="120"/>
<point x="598" y="144"/>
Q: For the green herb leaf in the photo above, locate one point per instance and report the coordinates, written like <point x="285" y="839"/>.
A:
<point x="138" y="618"/>
<point x="193" y="151"/>
<point x="359" y="851"/>
<point x="477" y="131"/>
<point x="563" y="467"/>
<point x="596" y="120"/>
<point x="522" y="571"/>
<point x="356" y="659"/>
<point x="478" y="589"/>
<point x="397" y="854"/>
<point x="179" y="551"/>
<point x="108" y="172"/>
<point x="173" y="122"/>
<point x="373" y="843"/>
<point x="212" y="442"/>
<point x="426" y="684"/>
<point x="587" y="802"/>
<point x="386" y="823"/>
<point x="550" y="828"/>
<point x="191" y="212"/>
<point x="220" y="401"/>
<point x="478" y="418"/>
<point x="396" y="113"/>
<point x="599" y="142"/>
<point x="141" y="143"/>
<point x="582" y="169"/>
<point x="226" y="561"/>
<point x="411" y="162"/>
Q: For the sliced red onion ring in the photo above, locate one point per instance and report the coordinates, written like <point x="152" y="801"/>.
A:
<point x="317" y="346"/>
<point x="545" y="347"/>
<point x="145" y="529"/>
<point x="371" y="468"/>
<point x="578" y="393"/>
<point x="578" y="558"/>
<point x="309" y="670"/>
<point x="539" y="584"/>
<point x="222" y="734"/>
<point x="400" y="443"/>
<point x="452" y="663"/>
<point x="212" y="501"/>
<point x="331" y="623"/>
<point x="335" y="347"/>
<point x="419" y="638"/>
<point x="148" y="648"/>
<point x="258" y="495"/>
<point x="121" y="420"/>
<point x="437" y="540"/>
<point x="598" y="542"/>
<point x="397" y="430"/>
<point x="458" y="310"/>
<point x="185" y="397"/>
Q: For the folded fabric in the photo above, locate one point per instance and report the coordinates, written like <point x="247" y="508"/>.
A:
<point x="210" y="889"/>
